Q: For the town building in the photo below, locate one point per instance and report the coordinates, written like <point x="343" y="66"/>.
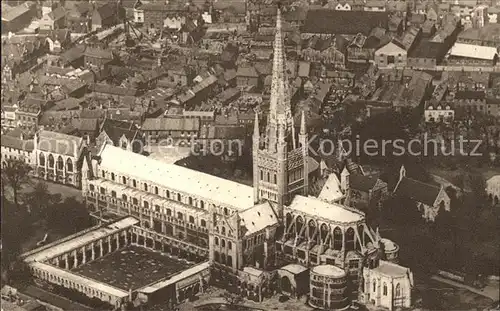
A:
<point x="58" y="157"/>
<point x="56" y="19"/>
<point x="439" y="112"/>
<point x="429" y="199"/>
<point x="18" y="17"/>
<point x="493" y="189"/>
<point x="393" y="55"/>
<point x="19" y="149"/>
<point x="387" y="285"/>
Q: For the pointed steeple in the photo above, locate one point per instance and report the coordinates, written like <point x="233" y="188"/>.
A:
<point x="256" y="132"/>
<point x="303" y="123"/>
<point x="280" y="111"/>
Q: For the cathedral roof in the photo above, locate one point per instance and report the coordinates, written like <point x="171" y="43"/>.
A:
<point x="258" y="218"/>
<point x="331" y="191"/>
<point x="331" y="211"/>
<point x="176" y="177"/>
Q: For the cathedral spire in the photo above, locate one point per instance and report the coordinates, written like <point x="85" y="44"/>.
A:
<point x="280" y="111"/>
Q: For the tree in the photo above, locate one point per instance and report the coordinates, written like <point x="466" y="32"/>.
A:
<point x="68" y="217"/>
<point x="232" y="300"/>
<point x="15" y="174"/>
<point x="40" y="198"/>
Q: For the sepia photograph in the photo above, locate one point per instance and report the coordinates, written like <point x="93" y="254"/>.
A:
<point x="250" y="155"/>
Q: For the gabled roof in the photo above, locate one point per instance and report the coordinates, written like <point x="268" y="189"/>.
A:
<point x="59" y="143"/>
<point x="344" y="22"/>
<point x="106" y="10"/>
<point x="257" y="218"/>
<point x="171" y="124"/>
<point x="57" y="14"/>
<point x="331" y="191"/>
<point x="417" y="191"/>
<point x="362" y="182"/>
<point x="331" y="211"/>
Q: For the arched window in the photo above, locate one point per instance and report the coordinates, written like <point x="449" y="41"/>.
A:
<point x="145" y="187"/>
<point x="169" y="212"/>
<point x="134" y="183"/>
<point x="202" y="204"/>
<point x="275" y="179"/>
<point x="223" y="230"/>
<point x="203" y="223"/>
<point x="223" y="243"/>
<point x="374" y="285"/>
<point x="398" y="290"/>
<point x="113" y="176"/>
<point x="385" y="289"/>
<point x="167" y="193"/>
<point x="349" y="239"/>
<point x="229" y="260"/>
<point x="146" y="204"/>
<point x="226" y="212"/>
<point x="156" y="190"/>
<point x="216" y="241"/>
<point x="124" y="180"/>
<point x="124" y="197"/>
<point x="268" y="177"/>
<point x="179" y="215"/>
<point x="261" y="175"/>
<point x="41" y="159"/>
<point x="51" y="161"/>
<point x="179" y="197"/>
<point x="223" y="259"/>
<point x="216" y="256"/>
<point x="69" y="165"/>
<point x="113" y="193"/>
<point x="190" y="201"/>
<point x="191" y="219"/>
<point x="60" y="163"/>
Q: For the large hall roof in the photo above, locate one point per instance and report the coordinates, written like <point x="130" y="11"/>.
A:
<point x="175" y="177"/>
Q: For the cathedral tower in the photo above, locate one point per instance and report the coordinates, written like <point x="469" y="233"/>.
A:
<point x="280" y="167"/>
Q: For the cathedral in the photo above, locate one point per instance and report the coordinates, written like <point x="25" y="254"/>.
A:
<point x="256" y="240"/>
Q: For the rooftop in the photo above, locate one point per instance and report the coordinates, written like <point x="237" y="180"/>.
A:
<point x="329" y="271"/>
<point x="391" y="269"/>
<point x="344" y="22"/>
<point x="331" y="211"/>
<point x="258" y="218"/>
<point x="172" y="176"/>
<point x="473" y="51"/>
<point x="59" y="143"/>
<point x="60" y="247"/>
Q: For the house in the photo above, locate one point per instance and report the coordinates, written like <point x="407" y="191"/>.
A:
<point x="427" y="54"/>
<point x="493" y="189"/>
<point x="122" y="134"/>
<point x="17" y="148"/>
<point x="18" y="17"/>
<point x="363" y="192"/>
<point x="349" y="23"/>
<point x="439" y="112"/>
<point x="58" y="40"/>
<point x="393" y="54"/>
<point x="247" y="76"/>
<point x="97" y="57"/>
<point x="233" y="11"/>
<point x="54" y="20"/>
<point x="105" y="16"/>
<point x="430" y="200"/>
<point x="155" y="14"/>
<point x="179" y="130"/>
<point x="462" y="54"/>
<point x="375" y="6"/>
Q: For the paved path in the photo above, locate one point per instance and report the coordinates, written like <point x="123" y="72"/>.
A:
<point x="490" y="291"/>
